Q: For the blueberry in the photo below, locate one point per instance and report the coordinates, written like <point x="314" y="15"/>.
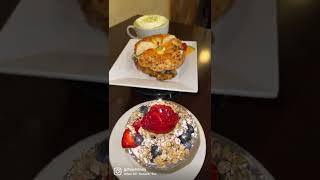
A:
<point x="190" y="129"/>
<point x="185" y="137"/>
<point x="154" y="147"/>
<point x="143" y="109"/>
<point x="101" y="152"/>
<point x="138" y="139"/>
<point x="188" y="145"/>
<point x="155" y="151"/>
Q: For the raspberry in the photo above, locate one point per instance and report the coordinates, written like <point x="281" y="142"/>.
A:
<point x="160" y="119"/>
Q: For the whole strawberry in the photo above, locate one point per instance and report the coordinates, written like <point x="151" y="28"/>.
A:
<point x="160" y="119"/>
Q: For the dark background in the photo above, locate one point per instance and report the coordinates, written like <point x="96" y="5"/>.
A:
<point x="40" y="118"/>
<point x="283" y="134"/>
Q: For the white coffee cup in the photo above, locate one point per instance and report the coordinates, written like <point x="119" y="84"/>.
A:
<point x="149" y="25"/>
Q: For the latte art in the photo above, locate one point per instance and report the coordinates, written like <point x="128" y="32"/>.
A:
<point x="150" y="21"/>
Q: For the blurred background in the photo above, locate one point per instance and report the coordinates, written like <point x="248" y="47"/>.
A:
<point x="280" y="128"/>
<point x="45" y="106"/>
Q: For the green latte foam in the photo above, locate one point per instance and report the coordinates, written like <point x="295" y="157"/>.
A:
<point x="150" y="21"/>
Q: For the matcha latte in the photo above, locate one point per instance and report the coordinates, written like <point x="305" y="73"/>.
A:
<point x="150" y="21"/>
<point x="149" y="25"/>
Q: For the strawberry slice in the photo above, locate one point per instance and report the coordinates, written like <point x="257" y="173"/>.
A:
<point x="137" y="125"/>
<point x="128" y="139"/>
<point x="184" y="46"/>
<point x="160" y="119"/>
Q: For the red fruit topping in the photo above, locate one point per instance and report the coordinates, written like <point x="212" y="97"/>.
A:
<point x="214" y="172"/>
<point x="184" y="46"/>
<point x="128" y="139"/>
<point x="137" y="125"/>
<point x="160" y="119"/>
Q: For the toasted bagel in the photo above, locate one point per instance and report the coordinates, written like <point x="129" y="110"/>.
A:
<point x="159" y="55"/>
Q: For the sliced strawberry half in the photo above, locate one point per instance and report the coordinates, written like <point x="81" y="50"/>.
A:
<point x="128" y="139"/>
<point x="137" y="125"/>
<point x="160" y="119"/>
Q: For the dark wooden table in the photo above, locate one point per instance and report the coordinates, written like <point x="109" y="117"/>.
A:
<point x="123" y="98"/>
<point x="40" y="117"/>
<point x="283" y="134"/>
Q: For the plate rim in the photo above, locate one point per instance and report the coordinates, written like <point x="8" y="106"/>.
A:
<point x="247" y="155"/>
<point x="80" y="146"/>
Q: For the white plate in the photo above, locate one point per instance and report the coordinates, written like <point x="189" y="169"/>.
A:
<point x="59" y="166"/>
<point x="246" y="50"/>
<point x="121" y="159"/>
<point x="125" y="73"/>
